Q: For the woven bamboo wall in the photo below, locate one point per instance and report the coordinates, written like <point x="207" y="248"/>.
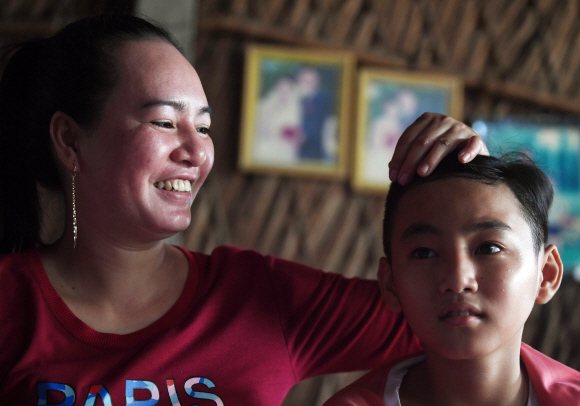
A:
<point x="516" y="56"/>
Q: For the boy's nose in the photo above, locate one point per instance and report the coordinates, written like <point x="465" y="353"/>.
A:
<point x="459" y="276"/>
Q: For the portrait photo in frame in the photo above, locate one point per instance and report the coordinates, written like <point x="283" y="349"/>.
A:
<point x="388" y="102"/>
<point x="295" y="112"/>
<point x="555" y="145"/>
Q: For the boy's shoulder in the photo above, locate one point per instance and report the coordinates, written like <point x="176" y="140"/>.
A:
<point x="554" y="382"/>
<point x="370" y="389"/>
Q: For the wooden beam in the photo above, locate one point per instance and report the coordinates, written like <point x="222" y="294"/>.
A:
<point x="258" y="31"/>
<point x="508" y="90"/>
<point x="525" y="94"/>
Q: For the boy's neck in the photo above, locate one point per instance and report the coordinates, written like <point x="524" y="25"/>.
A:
<point x="496" y="379"/>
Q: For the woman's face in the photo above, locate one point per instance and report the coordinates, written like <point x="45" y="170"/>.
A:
<point x="154" y="128"/>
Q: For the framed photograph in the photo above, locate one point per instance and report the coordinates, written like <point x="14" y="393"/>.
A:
<point x="295" y="112"/>
<point x="555" y="146"/>
<point x="388" y="102"/>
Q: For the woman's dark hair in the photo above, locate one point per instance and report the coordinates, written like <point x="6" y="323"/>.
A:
<point x="74" y="72"/>
<point x="529" y="184"/>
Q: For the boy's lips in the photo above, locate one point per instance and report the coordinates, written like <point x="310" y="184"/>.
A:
<point x="459" y="310"/>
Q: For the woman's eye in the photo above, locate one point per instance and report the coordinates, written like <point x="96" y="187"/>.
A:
<point x="163" y="124"/>
<point x="423" y="253"/>
<point x="488" y="248"/>
<point x="204" y="131"/>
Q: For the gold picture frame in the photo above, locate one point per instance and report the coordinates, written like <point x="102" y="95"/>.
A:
<point x="295" y="111"/>
<point x="388" y="102"/>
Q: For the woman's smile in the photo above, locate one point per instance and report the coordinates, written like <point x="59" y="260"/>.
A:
<point x="178" y="185"/>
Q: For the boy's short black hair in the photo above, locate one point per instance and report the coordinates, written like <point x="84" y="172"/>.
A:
<point x="530" y="185"/>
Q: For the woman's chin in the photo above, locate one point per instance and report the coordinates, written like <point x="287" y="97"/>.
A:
<point x="170" y="229"/>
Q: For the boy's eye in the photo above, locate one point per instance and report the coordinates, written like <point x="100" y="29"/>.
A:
<point x="488" y="248"/>
<point x="423" y="253"/>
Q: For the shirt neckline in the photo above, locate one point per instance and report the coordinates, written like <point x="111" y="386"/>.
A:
<point x="88" y="335"/>
<point x="398" y="372"/>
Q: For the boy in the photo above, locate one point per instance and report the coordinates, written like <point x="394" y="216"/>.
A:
<point x="466" y="258"/>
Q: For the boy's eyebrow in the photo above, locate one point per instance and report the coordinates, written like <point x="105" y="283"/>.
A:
<point x="418" y="229"/>
<point x="425" y="228"/>
<point x="487" y="225"/>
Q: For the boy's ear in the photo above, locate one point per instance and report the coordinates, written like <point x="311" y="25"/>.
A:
<point x="65" y="132"/>
<point x="552" y="271"/>
<point x="385" y="277"/>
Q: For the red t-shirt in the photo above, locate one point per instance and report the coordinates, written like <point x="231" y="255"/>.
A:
<point x="245" y="329"/>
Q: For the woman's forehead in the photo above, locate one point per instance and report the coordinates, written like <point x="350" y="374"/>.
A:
<point x="155" y="68"/>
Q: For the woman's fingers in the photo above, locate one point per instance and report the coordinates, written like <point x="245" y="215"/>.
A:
<point x="430" y="132"/>
<point x="474" y="146"/>
<point x="449" y="141"/>
<point x="405" y="144"/>
<point x="425" y="142"/>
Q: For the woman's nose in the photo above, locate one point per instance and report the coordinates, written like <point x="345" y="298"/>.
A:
<point x="192" y="149"/>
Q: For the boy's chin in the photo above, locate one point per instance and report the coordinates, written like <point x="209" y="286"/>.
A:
<point x="460" y="351"/>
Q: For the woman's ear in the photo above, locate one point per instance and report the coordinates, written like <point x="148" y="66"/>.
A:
<point x="552" y="271"/>
<point x="385" y="277"/>
<point x="65" y="133"/>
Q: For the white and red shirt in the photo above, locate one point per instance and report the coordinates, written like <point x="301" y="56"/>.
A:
<point x="551" y="383"/>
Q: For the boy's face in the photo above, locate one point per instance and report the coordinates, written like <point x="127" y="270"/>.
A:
<point x="464" y="269"/>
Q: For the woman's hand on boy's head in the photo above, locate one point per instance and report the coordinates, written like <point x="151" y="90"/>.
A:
<point x="430" y="138"/>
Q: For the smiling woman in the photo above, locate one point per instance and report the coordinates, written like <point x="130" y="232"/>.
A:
<point x="110" y="113"/>
<point x="150" y="131"/>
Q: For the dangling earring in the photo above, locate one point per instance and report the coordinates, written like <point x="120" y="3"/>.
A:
<point x="74" y="207"/>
